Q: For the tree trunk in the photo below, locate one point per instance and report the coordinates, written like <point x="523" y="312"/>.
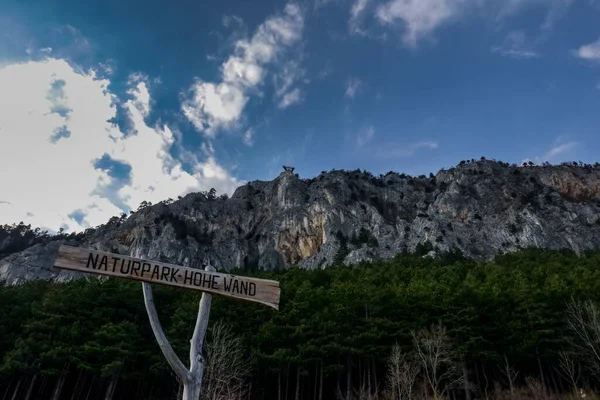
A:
<point x="477" y="380"/>
<point x="79" y="387"/>
<point x="31" y="386"/>
<point x="375" y="381"/>
<point x="7" y="388"/>
<point x="279" y="384"/>
<point x="141" y="388"/>
<point x="466" y="383"/>
<point x="297" y="396"/>
<point x="486" y="380"/>
<point x="74" y="395"/>
<point x="287" y="381"/>
<point x="180" y="391"/>
<point x="561" y="386"/>
<point x="42" y="387"/>
<point x="338" y="379"/>
<point x="553" y="380"/>
<point x="349" y="379"/>
<point x="151" y="389"/>
<point x="112" y="386"/>
<point x="316" y="380"/>
<point x="369" y="377"/>
<point x="361" y="378"/>
<point x="59" y="386"/>
<point x="16" y="392"/>
<point x="543" y="379"/>
<point x="321" y="382"/>
<point x="91" y="386"/>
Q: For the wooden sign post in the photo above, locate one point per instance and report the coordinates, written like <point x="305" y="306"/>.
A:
<point x="208" y="281"/>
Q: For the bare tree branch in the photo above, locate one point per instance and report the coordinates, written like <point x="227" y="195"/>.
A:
<point x="510" y="374"/>
<point x="436" y="354"/>
<point x="227" y="367"/>
<point x="568" y="368"/>
<point x="401" y="374"/>
<point x="583" y="320"/>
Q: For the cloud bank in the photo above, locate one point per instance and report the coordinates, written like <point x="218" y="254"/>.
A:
<point x="64" y="163"/>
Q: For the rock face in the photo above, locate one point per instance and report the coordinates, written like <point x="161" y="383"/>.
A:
<point x="482" y="208"/>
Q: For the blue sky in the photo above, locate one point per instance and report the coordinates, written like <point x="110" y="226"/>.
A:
<point x="105" y="104"/>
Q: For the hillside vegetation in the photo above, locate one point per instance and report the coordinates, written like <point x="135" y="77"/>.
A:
<point x="462" y="328"/>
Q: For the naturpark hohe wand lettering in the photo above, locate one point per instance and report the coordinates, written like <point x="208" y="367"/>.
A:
<point x="169" y="274"/>
<point x="98" y="262"/>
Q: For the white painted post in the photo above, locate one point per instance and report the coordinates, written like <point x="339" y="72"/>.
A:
<point x="192" y="378"/>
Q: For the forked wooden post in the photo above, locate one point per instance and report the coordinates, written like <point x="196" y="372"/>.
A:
<point x="262" y="291"/>
<point x="192" y="378"/>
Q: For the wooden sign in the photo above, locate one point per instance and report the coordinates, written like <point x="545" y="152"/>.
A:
<point x="261" y="291"/>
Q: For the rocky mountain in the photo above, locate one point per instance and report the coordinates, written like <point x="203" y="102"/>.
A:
<point x="482" y="208"/>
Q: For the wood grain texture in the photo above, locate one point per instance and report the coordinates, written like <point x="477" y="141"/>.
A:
<point x="180" y="370"/>
<point x="261" y="291"/>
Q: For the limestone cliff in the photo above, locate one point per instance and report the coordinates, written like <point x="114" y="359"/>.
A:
<point x="482" y="208"/>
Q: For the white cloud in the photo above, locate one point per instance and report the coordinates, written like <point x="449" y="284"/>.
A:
<point x="352" y="86"/>
<point x="290" y="98"/>
<point x="426" y="144"/>
<point x="322" y="3"/>
<point x="288" y="93"/>
<point x="139" y="90"/>
<point x="242" y="72"/>
<point x="228" y="20"/>
<point x="365" y="136"/>
<point x="360" y="11"/>
<point x="357" y="8"/>
<point x="556" y="9"/>
<point x="515" y="46"/>
<point x="249" y="137"/>
<point x="215" y="106"/>
<point x="406" y="151"/>
<point x="526" y="161"/>
<point x="558" y="150"/>
<point x="589" y="51"/>
<point x="47" y="178"/>
<point x="325" y="71"/>
<point x="420" y="17"/>
<point x="518" y="54"/>
<point x="108" y="67"/>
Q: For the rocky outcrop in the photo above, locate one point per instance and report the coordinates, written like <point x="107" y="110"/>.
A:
<point x="482" y="208"/>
